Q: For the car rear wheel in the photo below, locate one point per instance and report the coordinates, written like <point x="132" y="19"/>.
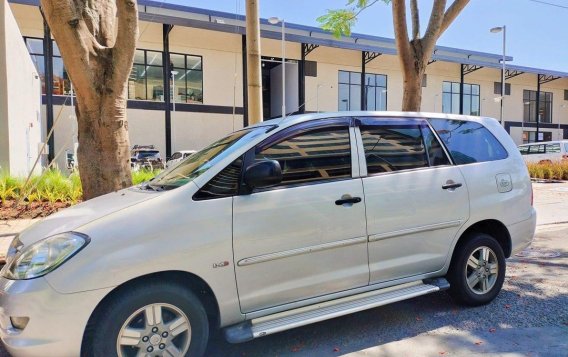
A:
<point x="477" y="270"/>
<point x="158" y="319"/>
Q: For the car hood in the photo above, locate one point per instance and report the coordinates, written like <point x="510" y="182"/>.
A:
<point x="72" y="218"/>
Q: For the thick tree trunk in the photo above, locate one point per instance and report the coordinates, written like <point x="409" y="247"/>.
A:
<point x="104" y="150"/>
<point x="412" y="95"/>
<point x="98" y="60"/>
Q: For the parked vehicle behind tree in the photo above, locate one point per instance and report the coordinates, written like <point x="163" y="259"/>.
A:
<point x="279" y="225"/>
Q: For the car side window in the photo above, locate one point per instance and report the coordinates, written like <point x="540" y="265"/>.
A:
<point x="317" y="155"/>
<point x="553" y="148"/>
<point x="524" y="150"/>
<point x="175" y="156"/>
<point x="436" y="153"/>
<point x="537" y="149"/>
<point x="224" y="184"/>
<point x="468" y="141"/>
<point x="393" y="148"/>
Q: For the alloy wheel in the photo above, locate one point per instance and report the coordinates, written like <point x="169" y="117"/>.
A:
<point x="155" y="330"/>
<point x="482" y="270"/>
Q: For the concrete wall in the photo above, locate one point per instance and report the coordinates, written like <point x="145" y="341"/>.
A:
<point x="20" y="100"/>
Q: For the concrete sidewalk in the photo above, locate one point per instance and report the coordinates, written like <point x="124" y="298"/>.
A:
<point x="8" y="229"/>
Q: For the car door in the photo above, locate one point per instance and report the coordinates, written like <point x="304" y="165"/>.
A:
<point x="416" y="200"/>
<point x="299" y="240"/>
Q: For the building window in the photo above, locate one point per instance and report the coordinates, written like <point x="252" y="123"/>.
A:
<point x="61" y="82"/>
<point x="530" y="136"/>
<point x="375" y="88"/>
<point x="146" y="81"/>
<point x="545" y="107"/>
<point x="451" y="98"/>
<point x="497" y="87"/>
<point x="188" y="78"/>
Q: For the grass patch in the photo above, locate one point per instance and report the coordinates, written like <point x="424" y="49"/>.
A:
<point x="550" y="171"/>
<point x="53" y="186"/>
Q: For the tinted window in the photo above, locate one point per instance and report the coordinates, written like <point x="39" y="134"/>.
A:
<point x="469" y="142"/>
<point x="524" y="150"/>
<point x="553" y="148"/>
<point x="321" y="154"/>
<point x="176" y="156"/>
<point x="434" y="149"/>
<point x="393" y="148"/>
<point x="566" y="147"/>
<point x="224" y="184"/>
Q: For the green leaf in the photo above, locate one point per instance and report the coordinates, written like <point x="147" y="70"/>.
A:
<point x="340" y="21"/>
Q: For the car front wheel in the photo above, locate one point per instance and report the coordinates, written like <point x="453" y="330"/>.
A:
<point x="477" y="270"/>
<point x="159" y="319"/>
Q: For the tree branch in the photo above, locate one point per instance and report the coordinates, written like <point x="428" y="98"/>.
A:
<point x="451" y="14"/>
<point x="405" y="52"/>
<point x="433" y="30"/>
<point x="125" y="45"/>
<point x="415" y="19"/>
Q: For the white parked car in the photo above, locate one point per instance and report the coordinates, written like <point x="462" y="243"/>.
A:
<point x="279" y="225"/>
<point x="541" y="152"/>
<point x="178" y="157"/>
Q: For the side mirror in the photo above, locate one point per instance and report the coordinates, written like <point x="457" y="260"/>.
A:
<point x="263" y="174"/>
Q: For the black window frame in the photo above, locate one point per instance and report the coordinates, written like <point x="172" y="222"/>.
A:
<point x="529" y="106"/>
<point x="290" y="132"/>
<point x="65" y="78"/>
<point x="184" y="70"/>
<point x="451" y="93"/>
<point x="362" y="87"/>
<point x="420" y="123"/>
<point x="146" y="66"/>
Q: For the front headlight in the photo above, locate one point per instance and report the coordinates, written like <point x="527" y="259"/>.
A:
<point x="44" y="256"/>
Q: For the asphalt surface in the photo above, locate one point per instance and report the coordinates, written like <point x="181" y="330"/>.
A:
<point x="528" y="318"/>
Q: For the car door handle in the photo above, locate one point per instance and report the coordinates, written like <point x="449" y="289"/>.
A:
<point x="450" y="186"/>
<point x="348" y="200"/>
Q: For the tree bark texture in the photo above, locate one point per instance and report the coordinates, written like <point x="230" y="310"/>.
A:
<point x="254" y="70"/>
<point x="414" y="53"/>
<point x="98" y="63"/>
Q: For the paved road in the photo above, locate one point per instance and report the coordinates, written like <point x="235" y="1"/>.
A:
<point x="528" y="318"/>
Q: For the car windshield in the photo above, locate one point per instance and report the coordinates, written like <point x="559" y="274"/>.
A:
<point x="201" y="161"/>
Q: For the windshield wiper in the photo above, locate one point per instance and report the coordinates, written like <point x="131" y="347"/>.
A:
<point x="151" y="187"/>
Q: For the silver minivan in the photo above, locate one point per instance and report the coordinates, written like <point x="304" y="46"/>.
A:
<point x="281" y="224"/>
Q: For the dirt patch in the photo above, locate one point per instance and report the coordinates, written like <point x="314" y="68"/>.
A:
<point x="14" y="210"/>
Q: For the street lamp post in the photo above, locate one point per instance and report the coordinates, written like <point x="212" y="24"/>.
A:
<point x="497" y="30"/>
<point x="274" y="21"/>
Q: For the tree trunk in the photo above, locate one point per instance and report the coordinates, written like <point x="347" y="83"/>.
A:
<point x="98" y="60"/>
<point x="412" y="95"/>
<point x="254" y="70"/>
<point x="104" y="150"/>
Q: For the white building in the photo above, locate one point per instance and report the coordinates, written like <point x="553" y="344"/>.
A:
<point x="205" y="51"/>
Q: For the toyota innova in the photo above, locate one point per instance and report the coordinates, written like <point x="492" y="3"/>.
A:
<point x="281" y="224"/>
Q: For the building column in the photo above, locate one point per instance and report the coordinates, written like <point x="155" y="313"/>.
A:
<point x="363" y="91"/>
<point x="167" y="93"/>
<point x="462" y="78"/>
<point x="245" y="81"/>
<point x="302" y="81"/>
<point x="48" y="79"/>
<point x="537" y="110"/>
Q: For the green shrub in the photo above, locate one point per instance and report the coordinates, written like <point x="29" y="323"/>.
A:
<point x="143" y="176"/>
<point x="549" y="170"/>
<point x="53" y="186"/>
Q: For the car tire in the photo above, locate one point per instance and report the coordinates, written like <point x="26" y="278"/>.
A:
<point x="477" y="270"/>
<point x="153" y="316"/>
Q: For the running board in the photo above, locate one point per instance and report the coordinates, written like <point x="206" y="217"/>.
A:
<point x="286" y="320"/>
